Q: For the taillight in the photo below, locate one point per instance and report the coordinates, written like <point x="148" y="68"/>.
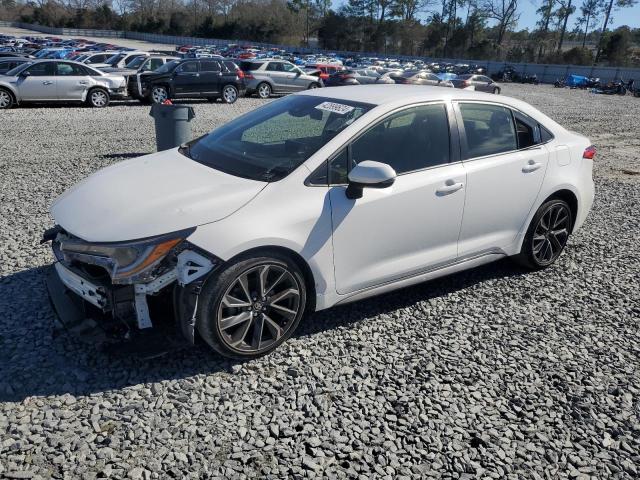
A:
<point x="589" y="152"/>
<point x="324" y="76"/>
<point x="240" y="74"/>
<point x="248" y="76"/>
<point x="467" y="83"/>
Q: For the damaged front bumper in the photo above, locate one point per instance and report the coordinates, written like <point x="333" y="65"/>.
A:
<point x="84" y="301"/>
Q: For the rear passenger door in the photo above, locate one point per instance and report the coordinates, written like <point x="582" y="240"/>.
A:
<point x="210" y="77"/>
<point x="71" y="81"/>
<point x="275" y="71"/>
<point x="505" y="164"/>
<point x="411" y="226"/>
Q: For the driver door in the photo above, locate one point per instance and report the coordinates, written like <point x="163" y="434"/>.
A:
<point x="39" y="83"/>
<point x="407" y="228"/>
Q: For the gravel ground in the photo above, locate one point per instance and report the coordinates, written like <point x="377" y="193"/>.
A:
<point x="491" y="373"/>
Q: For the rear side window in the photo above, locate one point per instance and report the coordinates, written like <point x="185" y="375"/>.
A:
<point x="249" y="66"/>
<point x="209" y="66"/>
<point x="489" y="129"/>
<point x="275" y="67"/>
<point x="69" y="69"/>
<point x="545" y="135"/>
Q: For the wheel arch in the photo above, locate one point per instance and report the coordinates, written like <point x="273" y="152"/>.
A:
<point x="571" y="199"/>
<point x="302" y="264"/>
<point x="92" y="88"/>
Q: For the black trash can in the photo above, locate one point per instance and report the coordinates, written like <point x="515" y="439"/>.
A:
<point x="173" y="124"/>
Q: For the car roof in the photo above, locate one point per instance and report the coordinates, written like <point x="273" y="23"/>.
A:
<point x="409" y="94"/>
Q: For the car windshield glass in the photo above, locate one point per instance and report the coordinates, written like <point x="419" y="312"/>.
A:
<point x="115" y="59"/>
<point x="167" y="67"/>
<point x="269" y="143"/>
<point x="136" y="62"/>
<point x="17" y="70"/>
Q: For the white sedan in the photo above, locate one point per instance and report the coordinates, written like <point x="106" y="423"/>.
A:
<point x="318" y="199"/>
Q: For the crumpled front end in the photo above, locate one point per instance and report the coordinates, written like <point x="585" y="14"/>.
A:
<point x="120" y="289"/>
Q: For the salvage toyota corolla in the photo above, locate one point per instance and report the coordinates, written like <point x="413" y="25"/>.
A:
<point x="314" y="200"/>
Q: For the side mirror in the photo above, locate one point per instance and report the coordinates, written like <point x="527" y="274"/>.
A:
<point x="369" y="174"/>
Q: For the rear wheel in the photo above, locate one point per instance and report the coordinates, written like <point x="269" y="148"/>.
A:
<point x="159" y="94"/>
<point x="264" y="90"/>
<point x="547" y="235"/>
<point x="252" y="306"/>
<point x="315" y="85"/>
<point x="6" y="99"/>
<point x="229" y="94"/>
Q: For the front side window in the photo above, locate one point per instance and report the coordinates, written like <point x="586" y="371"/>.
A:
<point x="288" y="67"/>
<point x="269" y="143"/>
<point x="41" y="69"/>
<point x="489" y="129"/>
<point x="412" y="139"/>
<point x="188" y="67"/>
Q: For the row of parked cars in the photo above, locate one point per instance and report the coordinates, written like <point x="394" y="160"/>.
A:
<point x="75" y="70"/>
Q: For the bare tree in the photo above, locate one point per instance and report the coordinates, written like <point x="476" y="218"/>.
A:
<point x="505" y="12"/>
<point x="590" y="11"/>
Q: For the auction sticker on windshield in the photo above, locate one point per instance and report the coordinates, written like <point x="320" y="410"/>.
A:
<point x="338" y="108"/>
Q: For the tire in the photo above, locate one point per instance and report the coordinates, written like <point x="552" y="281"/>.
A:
<point x="158" y="94"/>
<point x="98" y="98"/>
<point x="6" y="99"/>
<point x="541" y="246"/>
<point x="264" y="90"/>
<point x="229" y="94"/>
<point x="228" y="318"/>
<point x="314" y="85"/>
<point x="496" y="91"/>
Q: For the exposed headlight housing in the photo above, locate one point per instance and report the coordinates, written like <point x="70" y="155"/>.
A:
<point x="126" y="262"/>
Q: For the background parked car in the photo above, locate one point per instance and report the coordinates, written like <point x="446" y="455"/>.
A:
<point x="120" y="60"/>
<point x="59" y="81"/>
<point x="481" y="83"/>
<point x="97" y="58"/>
<point x="194" y="78"/>
<point x="420" y="78"/>
<point x="268" y="76"/>
<point x="9" y="63"/>
<point x="356" y="77"/>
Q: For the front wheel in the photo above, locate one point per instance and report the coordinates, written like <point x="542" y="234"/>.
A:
<point x="98" y="98"/>
<point x="547" y="235"/>
<point x="159" y="94"/>
<point x="229" y="94"/>
<point x="496" y="91"/>
<point x="252" y="306"/>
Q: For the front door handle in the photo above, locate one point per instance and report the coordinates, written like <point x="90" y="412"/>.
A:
<point x="531" y="166"/>
<point x="47" y="83"/>
<point x="83" y="83"/>
<point x="449" y="187"/>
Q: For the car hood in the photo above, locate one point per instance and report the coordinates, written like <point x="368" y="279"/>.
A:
<point x="150" y="195"/>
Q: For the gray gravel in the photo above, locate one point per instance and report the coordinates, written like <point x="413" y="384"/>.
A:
<point x="490" y="373"/>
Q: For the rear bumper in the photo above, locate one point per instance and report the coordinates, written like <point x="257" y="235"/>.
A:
<point x="119" y="93"/>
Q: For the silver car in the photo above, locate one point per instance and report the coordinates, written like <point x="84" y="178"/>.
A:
<point x="267" y="75"/>
<point x="59" y="81"/>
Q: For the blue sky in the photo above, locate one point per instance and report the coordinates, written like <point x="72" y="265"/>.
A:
<point x="528" y="17"/>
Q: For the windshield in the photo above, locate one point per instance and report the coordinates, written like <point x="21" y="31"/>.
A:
<point x="136" y="62"/>
<point x="167" y="67"/>
<point x="113" y="60"/>
<point x="269" y="143"/>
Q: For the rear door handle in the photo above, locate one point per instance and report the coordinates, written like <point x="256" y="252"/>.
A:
<point x="83" y="83"/>
<point x="531" y="166"/>
<point x="450" y="187"/>
<point x="47" y="83"/>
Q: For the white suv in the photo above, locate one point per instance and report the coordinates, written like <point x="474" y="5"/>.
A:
<point x="319" y="199"/>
